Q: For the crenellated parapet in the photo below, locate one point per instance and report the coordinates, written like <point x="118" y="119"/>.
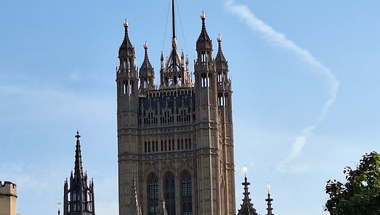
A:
<point x="8" y="189"/>
<point x="8" y="198"/>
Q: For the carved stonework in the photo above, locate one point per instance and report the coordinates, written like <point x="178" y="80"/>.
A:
<point x="176" y="138"/>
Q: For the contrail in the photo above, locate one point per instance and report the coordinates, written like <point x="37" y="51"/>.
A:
<point x="279" y="39"/>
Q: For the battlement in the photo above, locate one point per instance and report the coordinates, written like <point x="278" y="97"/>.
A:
<point x="8" y="189"/>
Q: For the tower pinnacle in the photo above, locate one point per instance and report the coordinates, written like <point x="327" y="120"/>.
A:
<point x="203" y="42"/>
<point x="78" y="196"/>
<point x="78" y="169"/>
<point x="247" y="207"/>
<point x="126" y="49"/>
<point x="269" y="202"/>
<point x="219" y="56"/>
<point x="146" y="73"/>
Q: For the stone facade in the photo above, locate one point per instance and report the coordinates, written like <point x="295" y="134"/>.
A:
<point x="8" y="198"/>
<point x="175" y="139"/>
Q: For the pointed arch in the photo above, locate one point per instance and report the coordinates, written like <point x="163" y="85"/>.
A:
<point x="169" y="193"/>
<point x="152" y="185"/>
<point x="186" y="193"/>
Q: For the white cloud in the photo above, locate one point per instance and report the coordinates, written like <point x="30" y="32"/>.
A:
<point x="258" y="26"/>
<point x="279" y="39"/>
<point x="296" y="149"/>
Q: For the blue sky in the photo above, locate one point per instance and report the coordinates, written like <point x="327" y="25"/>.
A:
<point x="305" y="78"/>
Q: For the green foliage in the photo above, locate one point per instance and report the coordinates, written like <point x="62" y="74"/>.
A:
<point x="360" y="195"/>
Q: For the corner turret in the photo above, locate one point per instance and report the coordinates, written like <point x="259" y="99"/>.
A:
<point x="126" y="73"/>
<point x="146" y="73"/>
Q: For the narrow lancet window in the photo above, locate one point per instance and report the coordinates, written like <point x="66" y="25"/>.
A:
<point x="186" y="194"/>
<point x="169" y="193"/>
<point x="152" y="194"/>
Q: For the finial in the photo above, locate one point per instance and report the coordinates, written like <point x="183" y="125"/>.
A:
<point x="126" y="24"/>
<point x="245" y="170"/>
<point x="146" y="46"/>
<point x="77" y="136"/>
<point x="203" y="15"/>
<point x="219" y="38"/>
<point x="268" y="186"/>
<point x="59" y="207"/>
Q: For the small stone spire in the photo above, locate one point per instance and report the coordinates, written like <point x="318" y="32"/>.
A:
<point x="126" y="48"/>
<point x="126" y="40"/>
<point x="135" y="207"/>
<point x="247" y="207"/>
<point x="78" y="169"/>
<point x="146" y="73"/>
<point x="146" y="63"/>
<point x="269" y="202"/>
<point x="59" y="207"/>
<point x="203" y="42"/>
<point x="219" y="56"/>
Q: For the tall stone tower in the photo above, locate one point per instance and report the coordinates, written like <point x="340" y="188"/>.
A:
<point x="175" y="140"/>
<point x="8" y="198"/>
<point x="78" y="199"/>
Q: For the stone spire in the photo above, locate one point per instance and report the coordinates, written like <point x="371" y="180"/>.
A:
<point x="78" y="169"/>
<point x="78" y="198"/>
<point x="146" y="63"/>
<point x="135" y="207"/>
<point x="173" y="74"/>
<point x="219" y="56"/>
<point x="247" y="207"/>
<point x="146" y="73"/>
<point x="126" y="48"/>
<point x="203" y="42"/>
<point x="269" y="203"/>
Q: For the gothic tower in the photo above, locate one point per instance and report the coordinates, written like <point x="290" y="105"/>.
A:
<point x="175" y="140"/>
<point x="78" y="199"/>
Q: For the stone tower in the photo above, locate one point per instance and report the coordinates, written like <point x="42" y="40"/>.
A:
<point x="175" y="139"/>
<point x="78" y="199"/>
<point x="8" y="198"/>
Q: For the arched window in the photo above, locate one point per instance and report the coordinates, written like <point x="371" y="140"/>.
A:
<point x="130" y="87"/>
<point x="169" y="193"/>
<point x="152" y="194"/>
<point x="186" y="194"/>
<point x="125" y="87"/>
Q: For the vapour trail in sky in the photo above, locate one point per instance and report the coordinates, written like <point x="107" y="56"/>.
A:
<point x="279" y="39"/>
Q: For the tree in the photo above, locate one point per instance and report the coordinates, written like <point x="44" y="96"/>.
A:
<point x="360" y="195"/>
